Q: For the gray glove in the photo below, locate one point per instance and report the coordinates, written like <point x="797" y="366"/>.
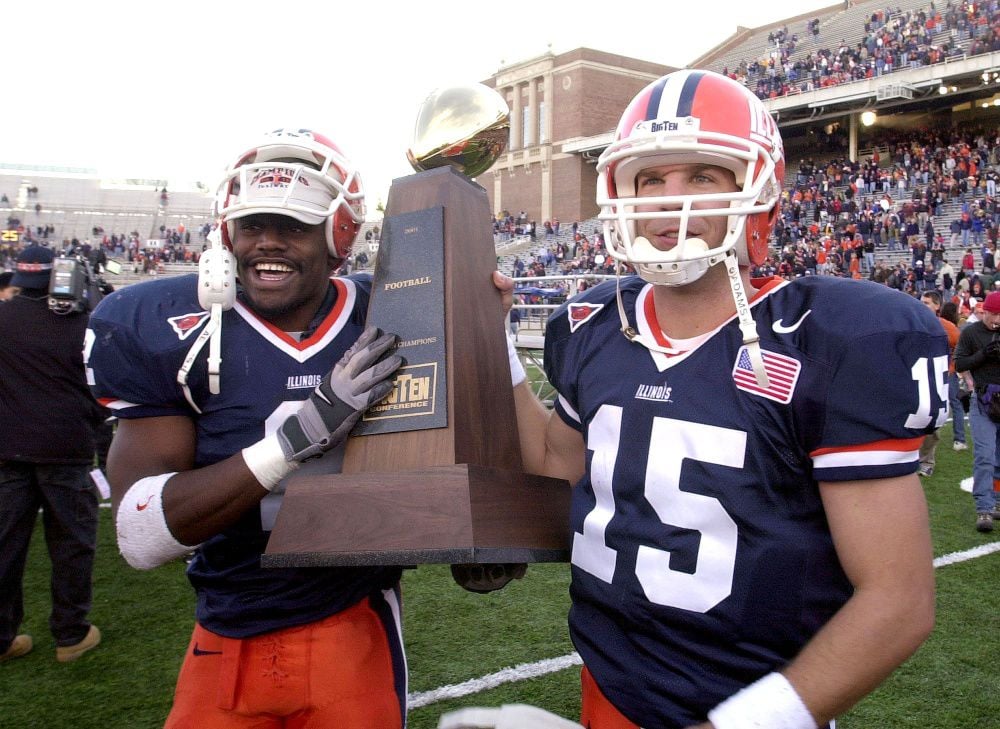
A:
<point x="361" y="378"/>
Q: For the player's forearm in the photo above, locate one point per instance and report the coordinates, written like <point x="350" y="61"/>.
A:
<point x="549" y="447"/>
<point x="164" y="507"/>
<point x="532" y="421"/>
<point x="875" y="632"/>
<point x="203" y="502"/>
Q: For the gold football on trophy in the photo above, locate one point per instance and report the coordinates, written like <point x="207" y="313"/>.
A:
<point x="466" y="127"/>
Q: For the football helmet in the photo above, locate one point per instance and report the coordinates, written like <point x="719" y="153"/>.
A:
<point x="298" y="173"/>
<point x="692" y="116"/>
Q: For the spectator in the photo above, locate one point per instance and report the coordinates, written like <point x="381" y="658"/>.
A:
<point x="928" y="449"/>
<point x="968" y="263"/>
<point x="45" y="457"/>
<point x="7" y="291"/>
<point x="958" y="395"/>
<point x="947" y="274"/>
<point x="978" y="352"/>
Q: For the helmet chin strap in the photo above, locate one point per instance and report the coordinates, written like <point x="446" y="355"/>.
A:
<point x="750" y="339"/>
<point x="216" y="294"/>
<point x="630" y="332"/>
<point x="747" y="327"/>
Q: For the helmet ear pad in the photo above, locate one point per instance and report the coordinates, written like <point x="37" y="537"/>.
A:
<point x="341" y="231"/>
<point x="758" y="231"/>
<point x="228" y="230"/>
<point x="759" y="226"/>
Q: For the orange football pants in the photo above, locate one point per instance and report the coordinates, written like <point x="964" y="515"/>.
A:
<point x="336" y="673"/>
<point x="596" y="711"/>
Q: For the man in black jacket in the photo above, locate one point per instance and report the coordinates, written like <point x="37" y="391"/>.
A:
<point x="978" y="352"/>
<point x="45" y="456"/>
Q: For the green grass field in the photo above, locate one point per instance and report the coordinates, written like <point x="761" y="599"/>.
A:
<point x="455" y="637"/>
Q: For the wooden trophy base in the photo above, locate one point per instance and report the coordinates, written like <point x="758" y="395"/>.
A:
<point x="438" y="515"/>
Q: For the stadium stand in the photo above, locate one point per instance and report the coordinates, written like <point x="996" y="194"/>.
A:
<point x="846" y="44"/>
<point x="76" y="202"/>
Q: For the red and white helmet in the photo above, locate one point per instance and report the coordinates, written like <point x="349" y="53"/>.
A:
<point x="692" y="116"/>
<point x="298" y="173"/>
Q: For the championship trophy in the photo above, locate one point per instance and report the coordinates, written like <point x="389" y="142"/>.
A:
<point x="433" y="474"/>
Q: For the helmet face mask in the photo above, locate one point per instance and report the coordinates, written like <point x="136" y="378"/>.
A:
<point x="299" y="174"/>
<point x="691" y="117"/>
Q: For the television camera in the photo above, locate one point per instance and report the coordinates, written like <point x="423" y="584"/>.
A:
<point x="75" y="287"/>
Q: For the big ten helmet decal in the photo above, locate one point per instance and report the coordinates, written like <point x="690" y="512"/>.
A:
<point x="692" y="116"/>
<point x="299" y="173"/>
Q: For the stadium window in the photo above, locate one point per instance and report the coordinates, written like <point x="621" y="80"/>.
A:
<point x="529" y="130"/>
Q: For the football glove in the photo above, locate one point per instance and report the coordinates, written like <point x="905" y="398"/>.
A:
<point x="361" y="378"/>
<point x="508" y="716"/>
<point x="484" y="578"/>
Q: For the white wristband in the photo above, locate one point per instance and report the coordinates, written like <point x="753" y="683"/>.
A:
<point x="266" y="461"/>
<point x="768" y="703"/>
<point x="144" y="539"/>
<point x="517" y="373"/>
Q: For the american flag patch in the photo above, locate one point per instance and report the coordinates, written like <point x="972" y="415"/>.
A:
<point x="782" y="373"/>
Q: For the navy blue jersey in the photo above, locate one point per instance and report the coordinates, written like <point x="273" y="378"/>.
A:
<point x="702" y="558"/>
<point x="141" y="335"/>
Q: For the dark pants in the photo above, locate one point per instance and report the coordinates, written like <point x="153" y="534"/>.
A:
<point x="69" y="515"/>
<point x="103" y="436"/>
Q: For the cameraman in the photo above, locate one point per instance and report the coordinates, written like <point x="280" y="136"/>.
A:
<point x="45" y="456"/>
<point x="978" y="352"/>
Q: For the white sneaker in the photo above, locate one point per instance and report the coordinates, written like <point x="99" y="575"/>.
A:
<point x="959" y="445"/>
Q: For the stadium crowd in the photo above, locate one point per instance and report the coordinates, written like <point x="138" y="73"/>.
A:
<point x="919" y="213"/>
<point x="888" y="41"/>
<point x="896" y="216"/>
<point x="932" y="194"/>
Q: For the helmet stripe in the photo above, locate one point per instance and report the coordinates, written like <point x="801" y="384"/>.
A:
<point x="653" y="106"/>
<point x="686" y="101"/>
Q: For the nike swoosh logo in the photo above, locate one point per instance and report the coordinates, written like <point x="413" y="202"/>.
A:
<point x="141" y="507"/>
<point x="199" y="652"/>
<point x="780" y="328"/>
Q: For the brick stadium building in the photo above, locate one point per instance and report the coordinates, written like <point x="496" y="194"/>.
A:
<point x="562" y="108"/>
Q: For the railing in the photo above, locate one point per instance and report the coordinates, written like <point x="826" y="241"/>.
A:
<point x="530" y="339"/>
<point x="543" y="310"/>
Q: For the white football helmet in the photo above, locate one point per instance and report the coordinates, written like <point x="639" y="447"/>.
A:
<point x="289" y="172"/>
<point x="298" y="173"/>
<point x="692" y="116"/>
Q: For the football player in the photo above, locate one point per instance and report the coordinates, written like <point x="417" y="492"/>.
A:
<point x="750" y="539"/>
<point x="207" y="437"/>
